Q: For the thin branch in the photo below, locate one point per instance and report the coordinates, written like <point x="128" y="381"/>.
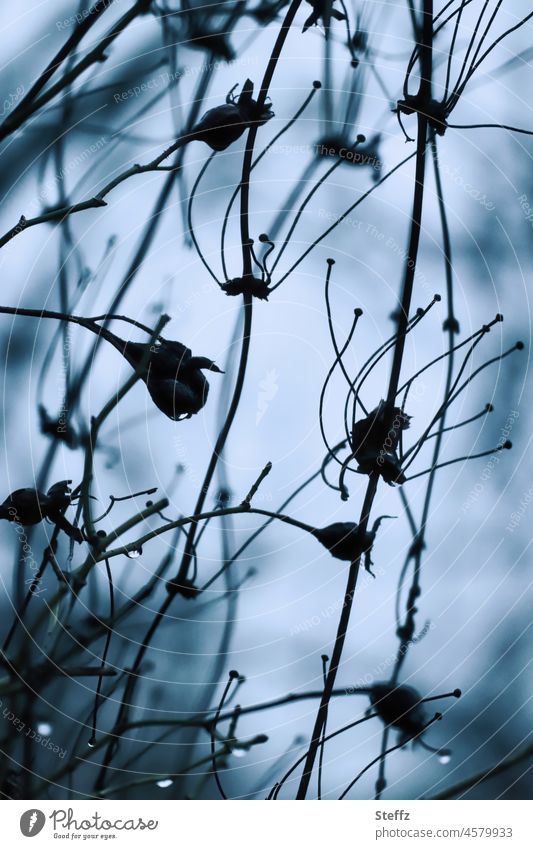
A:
<point x="486" y="774"/>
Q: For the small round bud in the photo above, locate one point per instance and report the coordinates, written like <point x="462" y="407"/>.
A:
<point x="437" y="298"/>
<point x="263" y="237"/>
<point x="101" y="534"/>
<point x="489" y="408"/>
<point x="330" y="261"/>
<point x="233" y="674"/>
<point x="358" y="312"/>
<point x="520" y="346"/>
<point x="317" y="84"/>
<point x="457" y="693"/>
<point x="499" y="317"/>
<point x="451" y="324"/>
<point x="438" y="717"/>
<point x="507" y="444"/>
<point x="361" y="139"/>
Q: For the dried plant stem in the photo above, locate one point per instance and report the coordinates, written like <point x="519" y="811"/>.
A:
<point x="474" y="781"/>
<point x="221" y="441"/>
<point x="406" y="296"/>
<point x="97" y="54"/>
<point x="24" y="108"/>
<point x="62" y="212"/>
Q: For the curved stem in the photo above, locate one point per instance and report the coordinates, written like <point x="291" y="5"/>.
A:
<point x="407" y="630"/>
<point x="189" y="549"/>
<point x="222" y="437"/>
<point x="192" y="234"/>
<point x="252" y="133"/>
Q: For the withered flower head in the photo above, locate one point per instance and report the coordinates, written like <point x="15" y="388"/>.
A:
<point x="172" y="375"/>
<point x="434" y="110"/>
<point x="399" y="706"/>
<point x="347" y="541"/>
<point x="29" y="507"/>
<point x="375" y="441"/>
<point x="402" y="707"/>
<point x="224" y="124"/>
<point x="247" y="286"/>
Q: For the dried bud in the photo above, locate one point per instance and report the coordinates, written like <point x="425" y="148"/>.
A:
<point x="223" y="125"/>
<point x="247" y="286"/>
<point x="399" y="706"/>
<point x="434" y="110"/>
<point x="26" y="506"/>
<point x="29" y="507"/>
<point x="344" y="540"/>
<point x="375" y="441"/>
<point x="172" y="375"/>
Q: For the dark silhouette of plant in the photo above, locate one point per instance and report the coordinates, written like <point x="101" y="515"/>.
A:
<point x="223" y="125"/>
<point x="29" y="507"/>
<point x="402" y="707"/>
<point x="172" y="375"/>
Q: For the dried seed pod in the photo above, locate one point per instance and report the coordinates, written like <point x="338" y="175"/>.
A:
<point x="172" y="375"/>
<point x="224" y="124"/>
<point x="399" y="706"/>
<point x="26" y="506"/>
<point x="346" y="541"/>
<point x="247" y="286"/>
<point x="29" y="507"/>
<point x="375" y="441"/>
<point x="435" y="111"/>
<point x="402" y="707"/>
